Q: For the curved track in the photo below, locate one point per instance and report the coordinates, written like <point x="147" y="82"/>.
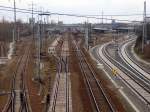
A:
<point x="132" y="63"/>
<point x="135" y="83"/>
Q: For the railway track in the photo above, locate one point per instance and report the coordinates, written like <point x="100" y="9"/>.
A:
<point x="59" y="92"/>
<point x="60" y="99"/>
<point x="133" y="84"/>
<point x="67" y="85"/>
<point x="53" y="104"/>
<point x="139" y="79"/>
<point x="99" y="99"/>
<point x="18" y="101"/>
<point x="23" y="95"/>
<point x="133" y="64"/>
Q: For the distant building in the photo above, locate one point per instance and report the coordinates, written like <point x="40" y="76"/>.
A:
<point x="60" y="23"/>
<point x="148" y="19"/>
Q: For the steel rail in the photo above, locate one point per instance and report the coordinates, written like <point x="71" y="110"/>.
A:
<point x="135" y="64"/>
<point x="57" y="86"/>
<point x="59" y="70"/>
<point x="125" y="70"/>
<point x="67" y="83"/>
<point x="88" y="82"/>
<point x="104" y="94"/>
<point x="10" y="103"/>
<point x="109" y="58"/>
<point x="63" y="68"/>
<point x="24" y="103"/>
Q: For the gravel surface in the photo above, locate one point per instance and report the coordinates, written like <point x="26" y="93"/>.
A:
<point x="80" y="98"/>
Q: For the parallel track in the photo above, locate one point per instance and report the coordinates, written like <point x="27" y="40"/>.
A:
<point x="147" y="78"/>
<point x="126" y="72"/>
<point x="9" y="107"/>
<point x="57" y="86"/>
<point x="100" y="100"/>
<point x="62" y="69"/>
<point x="67" y="85"/>
<point x="19" y="86"/>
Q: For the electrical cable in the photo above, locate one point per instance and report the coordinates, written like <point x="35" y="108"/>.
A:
<point x="20" y="10"/>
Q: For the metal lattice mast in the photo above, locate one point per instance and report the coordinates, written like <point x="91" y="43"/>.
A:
<point x="15" y="38"/>
<point x="32" y="17"/>
<point x="144" y="28"/>
<point x="32" y="21"/>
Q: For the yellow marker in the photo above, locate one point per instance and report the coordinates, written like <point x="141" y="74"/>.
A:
<point x="114" y="71"/>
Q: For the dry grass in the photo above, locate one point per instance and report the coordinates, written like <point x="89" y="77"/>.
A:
<point x="146" y="55"/>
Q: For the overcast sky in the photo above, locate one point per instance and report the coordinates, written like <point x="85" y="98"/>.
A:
<point x="85" y="7"/>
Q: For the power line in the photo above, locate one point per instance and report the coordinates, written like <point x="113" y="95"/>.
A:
<point x="33" y="20"/>
<point x="134" y="14"/>
<point x="91" y="17"/>
<point x="62" y="14"/>
<point x="138" y="14"/>
<point x="19" y="11"/>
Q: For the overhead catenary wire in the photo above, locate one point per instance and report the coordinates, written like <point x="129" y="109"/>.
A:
<point x="73" y="15"/>
<point x="133" y="14"/>
<point x="20" y="10"/>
